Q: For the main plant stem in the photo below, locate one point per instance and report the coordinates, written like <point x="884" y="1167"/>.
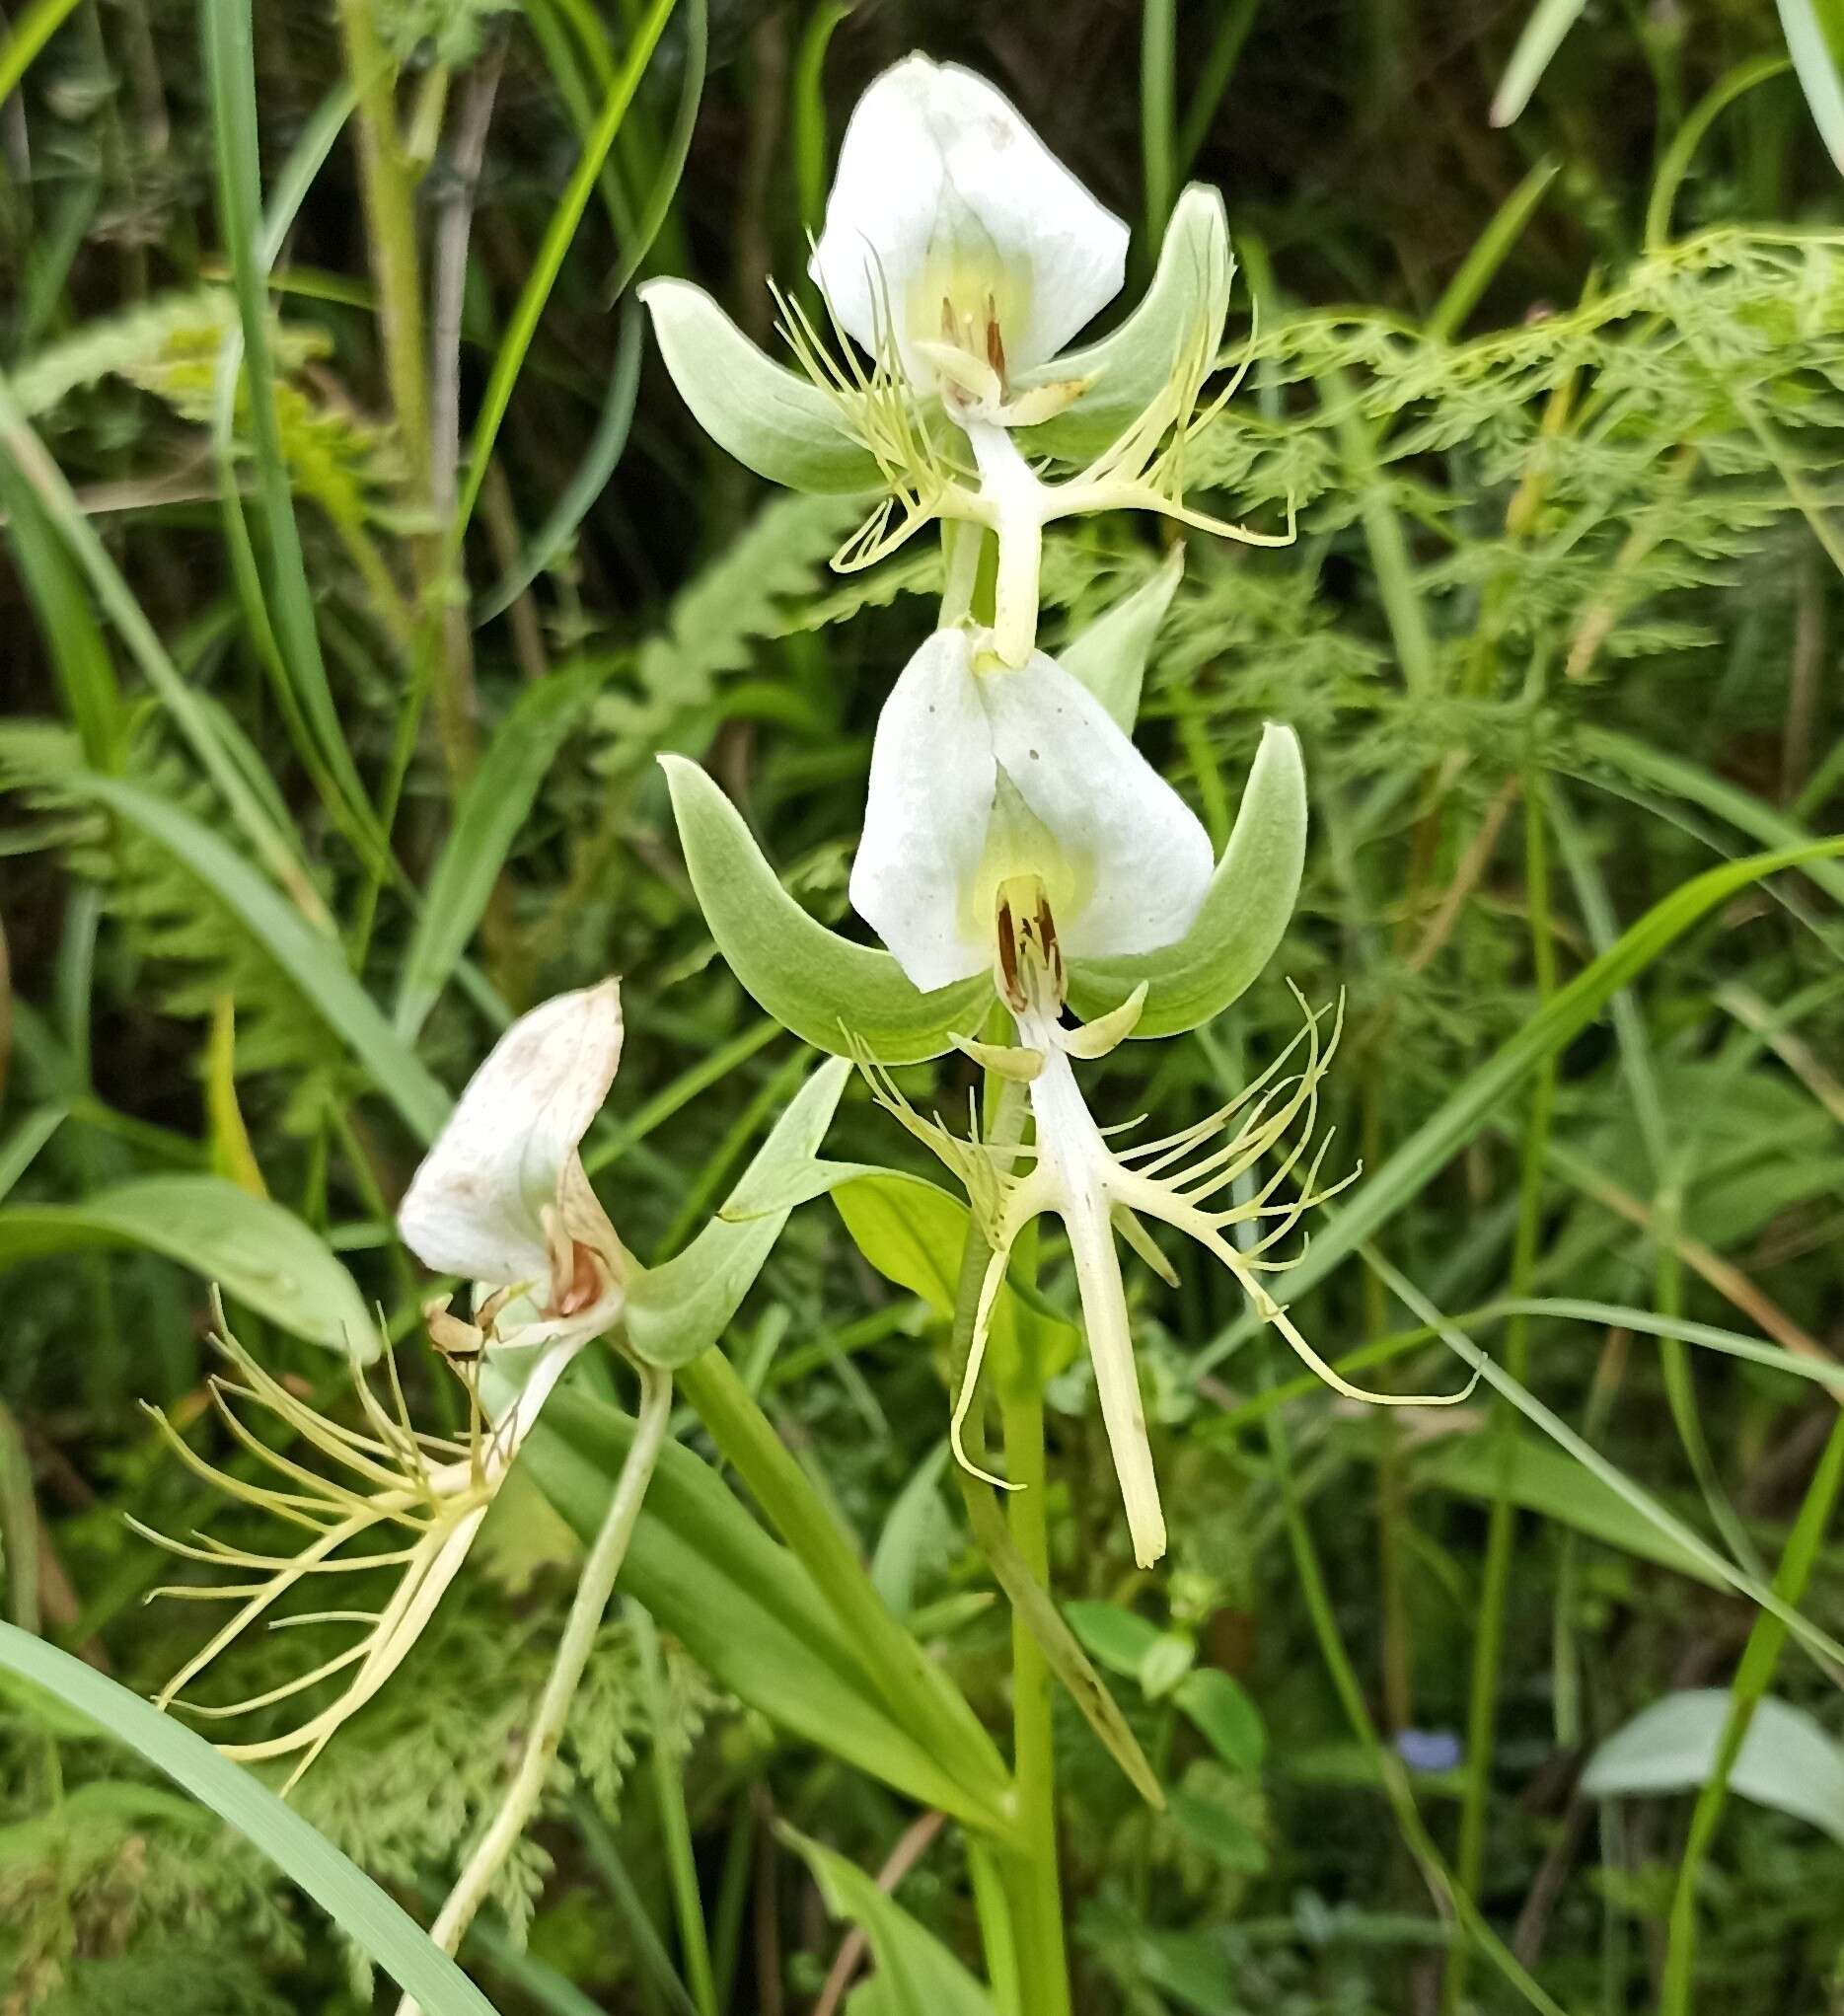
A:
<point x="606" y="1555"/>
<point x="1043" y="1963"/>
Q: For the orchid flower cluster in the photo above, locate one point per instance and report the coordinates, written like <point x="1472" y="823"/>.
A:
<point x="1018" y="852"/>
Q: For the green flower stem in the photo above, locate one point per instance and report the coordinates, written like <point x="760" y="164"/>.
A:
<point x="606" y="1555"/>
<point x="1045" y="1968"/>
<point x="915" y="1688"/>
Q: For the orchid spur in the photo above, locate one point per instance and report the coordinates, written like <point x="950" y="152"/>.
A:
<point x="959" y="257"/>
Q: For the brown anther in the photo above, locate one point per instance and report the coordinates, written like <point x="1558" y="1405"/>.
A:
<point x="994" y="342"/>
<point x="947" y="320"/>
<point x="585" y="1283"/>
<point x="1009" y="983"/>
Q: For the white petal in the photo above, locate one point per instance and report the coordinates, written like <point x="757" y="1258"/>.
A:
<point x="944" y="190"/>
<point x="476" y="1207"/>
<point x="925" y="818"/>
<point x="1134" y="861"/>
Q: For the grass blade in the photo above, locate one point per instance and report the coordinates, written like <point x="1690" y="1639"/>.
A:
<point x="345" y="1892"/>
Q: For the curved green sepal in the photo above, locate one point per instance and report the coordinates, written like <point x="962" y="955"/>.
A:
<point x="1131" y="366"/>
<point x="780" y="424"/>
<point x="1251" y="899"/>
<point x="676" y="1310"/>
<point x="1110" y="656"/>
<point x="828" y="991"/>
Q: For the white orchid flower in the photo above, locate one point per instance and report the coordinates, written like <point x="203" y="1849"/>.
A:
<point x="502" y="1200"/>
<point x="982" y="775"/>
<point x="954" y="235"/>
<point x="1011" y="822"/>
<point x="960" y="256"/>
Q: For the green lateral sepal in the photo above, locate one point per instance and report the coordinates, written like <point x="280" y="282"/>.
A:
<point x="675" y="1311"/>
<point x="822" y="986"/>
<point x="772" y="420"/>
<point x="1250" y="898"/>
<point x="1131" y="367"/>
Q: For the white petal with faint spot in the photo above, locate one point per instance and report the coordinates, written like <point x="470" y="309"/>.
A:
<point x="476" y="1207"/>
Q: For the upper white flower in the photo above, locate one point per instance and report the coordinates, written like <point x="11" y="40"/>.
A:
<point x="982" y="776"/>
<point x="950" y="223"/>
<point x="502" y="1200"/>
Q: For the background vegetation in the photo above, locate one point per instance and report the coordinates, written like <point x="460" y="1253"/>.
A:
<point x="1562" y="407"/>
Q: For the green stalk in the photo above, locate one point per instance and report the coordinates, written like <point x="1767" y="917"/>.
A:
<point x="675" y="1826"/>
<point x="1044" y="1970"/>
<point x="1501" y="1528"/>
<point x="1759" y="1658"/>
<point x="606" y="1553"/>
<point x="910" y="1682"/>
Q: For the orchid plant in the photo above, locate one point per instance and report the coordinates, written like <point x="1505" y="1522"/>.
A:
<point x="1042" y="897"/>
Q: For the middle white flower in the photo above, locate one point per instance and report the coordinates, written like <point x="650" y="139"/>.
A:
<point x="981" y="774"/>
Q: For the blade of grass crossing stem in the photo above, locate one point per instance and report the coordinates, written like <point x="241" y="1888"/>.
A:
<point x="1815" y="1641"/>
<point x="558" y="234"/>
<point x="1490" y="251"/>
<point x="1675" y="164"/>
<point x="1814" y="30"/>
<point x="1543" y="31"/>
<point x="1428" y="1151"/>
<point x="657" y="214"/>
<point x="1760" y="1659"/>
<point x="230" y="65"/>
<point x="362" y="1912"/>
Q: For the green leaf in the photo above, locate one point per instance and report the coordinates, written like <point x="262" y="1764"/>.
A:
<point x="1110" y="656"/>
<point x="812" y="981"/>
<point x="916" y="1976"/>
<point x="676" y="1310"/>
<point x="490" y="811"/>
<point x="1218" y="1832"/>
<point x="1168" y="1659"/>
<point x="1787" y="1761"/>
<point x="1814" y="30"/>
<point x="1544" y="29"/>
<point x="771" y="420"/>
<point x="1114" y="1635"/>
<point x="1133" y="366"/>
<point x="361" y="1911"/>
<point x="1543" y="1480"/>
<point x="1250" y="898"/>
<point x="258" y="1252"/>
<point x="906" y="1533"/>
<point x="1225" y="1716"/>
<point x="311" y="960"/>
<point x="742" y="1604"/>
